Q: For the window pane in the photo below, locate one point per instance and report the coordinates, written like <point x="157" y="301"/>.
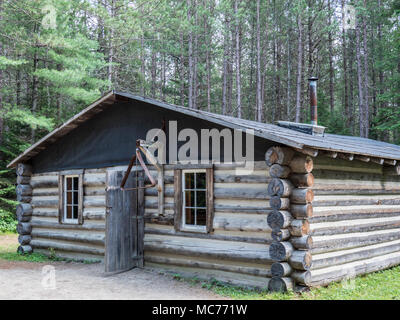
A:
<point x="189" y="180"/>
<point x="76" y="183"/>
<point x="69" y="212"/>
<point x="189" y="216"/>
<point x="189" y="199"/>
<point x="76" y="197"/>
<point x="75" y="211"/>
<point x="201" y="180"/>
<point x="69" y="184"/>
<point x="201" y="199"/>
<point x="69" y="197"/>
<point x="201" y="217"/>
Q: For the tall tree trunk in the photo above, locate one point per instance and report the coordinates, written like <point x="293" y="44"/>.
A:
<point x="331" y="69"/>
<point x="195" y="59"/>
<point x="258" y="52"/>
<point x="208" y="63"/>
<point x="366" y="76"/>
<point x="182" y="71"/>
<point x="360" y="83"/>
<point x="299" y="67"/>
<point x="238" y="88"/>
<point x="225" y="66"/>
<point x="153" y="72"/>
<point x="190" y="53"/>
<point x="345" y="71"/>
<point x="111" y="48"/>
<point x="288" y="81"/>
<point x="1" y="87"/>
<point x="35" y="84"/>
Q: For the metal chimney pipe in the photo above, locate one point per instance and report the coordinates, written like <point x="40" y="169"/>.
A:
<point x="313" y="100"/>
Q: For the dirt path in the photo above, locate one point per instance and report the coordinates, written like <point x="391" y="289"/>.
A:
<point x="26" y="280"/>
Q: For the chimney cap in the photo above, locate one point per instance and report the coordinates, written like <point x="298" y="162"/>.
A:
<point x="313" y="78"/>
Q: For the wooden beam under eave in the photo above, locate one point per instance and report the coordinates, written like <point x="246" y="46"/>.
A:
<point x="308" y="151"/>
<point x="330" y="154"/>
<point x="390" y="162"/>
<point x="362" y="158"/>
<point x="346" y="156"/>
<point x="377" y="160"/>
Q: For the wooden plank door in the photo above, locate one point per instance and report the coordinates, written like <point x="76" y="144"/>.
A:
<point x="124" y="223"/>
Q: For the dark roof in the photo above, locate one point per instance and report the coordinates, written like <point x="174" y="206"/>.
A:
<point x="292" y="138"/>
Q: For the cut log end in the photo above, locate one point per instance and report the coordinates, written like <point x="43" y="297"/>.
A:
<point x="24" y="249"/>
<point x="280" y="284"/>
<point x="279" y="155"/>
<point x="280" y="251"/>
<point x="280" y="269"/>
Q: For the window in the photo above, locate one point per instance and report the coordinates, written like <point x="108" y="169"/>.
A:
<point x="193" y="200"/>
<point x="70" y="199"/>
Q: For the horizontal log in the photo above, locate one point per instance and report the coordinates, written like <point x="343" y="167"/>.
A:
<point x="300" y="260"/>
<point x="362" y="158"/>
<point x="302" y="180"/>
<point x="278" y="203"/>
<point x="44" y="182"/>
<point x="280" y="251"/>
<point x="24" y="228"/>
<point x="346" y="156"/>
<point x="279" y="219"/>
<point x="327" y="211"/>
<point x="308" y="151"/>
<point x="302" y="277"/>
<point x="352" y="226"/>
<point x="208" y="265"/>
<point x="350" y="216"/>
<point x="299" y="227"/>
<point x="301" y="196"/>
<point x="279" y="155"/>
<point x="301" y="164"/>
<point x="26" y="249"/>
<point x="279" y="171"/>
<point x="392" y="171"/>
<point x="339" y="165"/>
<point x="322" y="277"/>
<point x="281" y="269"/>
<point x="241" y="208"/>
<point x="329" y="259"/>
<point x="355" y="200"/>
<point x="97" y="201"/>
<point x="208" y="248"/>
<point x="280" y="187"/>
<point x="280" y="284"/>
<point x="24" y="239"/>
<point x="56" y="225"/>
<point x="24" y="190"/>
<point x="68" y="236"/>
<point x="23" y="180"/>
<point x="280" y="234"/>
<point x="24" y="169"/>
<point x="233" y="178"/>
<point x="43" y="244"/>
<point x="240" y="222"/>
<point x="352" y="240"/>
<point x="242" y="192"/>
<point x="94" y="180"/>
<point x="45" y="202"/>
<point x="224" y="237"/>
<point x="302" y="243"/>
<point x="301" y="211"/>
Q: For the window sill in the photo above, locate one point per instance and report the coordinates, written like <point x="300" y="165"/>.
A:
<point x="193" y="229"/>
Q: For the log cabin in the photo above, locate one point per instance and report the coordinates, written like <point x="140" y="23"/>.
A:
<point x="314" y="207"/>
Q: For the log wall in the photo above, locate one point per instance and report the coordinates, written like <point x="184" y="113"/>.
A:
<point x="236" y="251"/>
<point x="76" y="241"/>
<point x="355" y="227"/>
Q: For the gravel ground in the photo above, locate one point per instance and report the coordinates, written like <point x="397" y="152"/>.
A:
<point x="30" y="280"/>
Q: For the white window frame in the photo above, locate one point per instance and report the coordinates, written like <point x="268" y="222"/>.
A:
<point x="65" y="219"/>
<point x="191" y="227"/>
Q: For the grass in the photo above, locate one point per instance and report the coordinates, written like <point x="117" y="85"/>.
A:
<point x="382" y="285"/>
<point x="8" y="251"/>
